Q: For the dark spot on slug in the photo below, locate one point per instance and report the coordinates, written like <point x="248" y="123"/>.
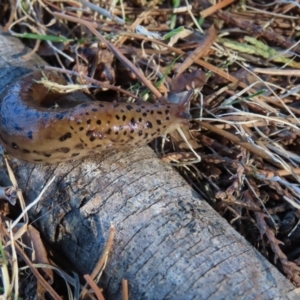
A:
<point x="47" y="154"/>
<point x="159" y="112"/>
<point x="129" y="107"/>
<point x="156" y="105"/>
<point x="88" y="121"/>
<point x="74" y="154"/>
<point x="146" y="135"/>
<point x="153" y="134"/>
<point x="122" y="110"/>
<point x="79" y="146"/>
<point x="101" y="105"/>
<point x="81" y="128"/>
<point x="125" y="132"/>
<point x="63" y="150"/>
<point x="109" y="131"/>
<point x="116" y="132"/>
<point x="149" y="124"/>
<point x="132" y="122"/>
<point x="140" y="132"/>
<point x="98" y="122"/>
<point x="38" y="160"/>
<point x="138" y="110"/>
<point x="117" y="117"/>
<point x="18" y="128"/>
<point x="90" y="133"/>
<point x="158" y="122"/>
<point x="115" y="104"/>
<point x="167" y="111"/>
<point x="144" y="114"/>
<point x="151" y="112"/>
<point x="71" y="127"/>
<point x="14" y="145"/>
<point x="92" y="138"/>
<point x="140" y="119"/>
<point x="66" y="136"/>
<point x="29" y="134"/>
<point x="167" y="118"/>
<point x="79" y="121"/>
<point x="124" y="118"/>
<point x="132" y="130"/>
<point x="94" y="110"/>
<point x="87" y="113"/>
<point x="26" y="151"/>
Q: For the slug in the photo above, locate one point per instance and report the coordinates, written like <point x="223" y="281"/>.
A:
<point x="33" y="129"/>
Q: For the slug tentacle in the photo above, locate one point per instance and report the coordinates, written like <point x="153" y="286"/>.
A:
<point x="34" y="132"/>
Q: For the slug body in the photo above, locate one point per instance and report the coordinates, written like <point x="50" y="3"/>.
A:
<point x="32" y="131"/>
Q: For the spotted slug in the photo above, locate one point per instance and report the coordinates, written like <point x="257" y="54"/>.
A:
<point x="34" y="129"/>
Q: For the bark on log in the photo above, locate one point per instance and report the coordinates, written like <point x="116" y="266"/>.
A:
<point x="169" y="243"/>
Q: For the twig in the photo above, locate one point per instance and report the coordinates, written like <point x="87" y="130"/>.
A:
<point x="125" y="289"/>
<point x="103" y="258"/>
<point x="102" y="11"/>
<point x="94" y="286"/>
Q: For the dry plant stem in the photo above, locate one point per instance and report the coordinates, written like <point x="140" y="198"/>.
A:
<point x="34" y="50"/>
<point x="275" y="101"/>
<point x="132" y="27"/>
<point x="125" y="289"/>
<point x="15" y="271"/>
<point x="278" y="72"/>
<point x="28" y="207"/>
<point x="212" y="9"/>
<point x="38" y="276"/>
<point x="102" y="11"/>
<point x="288" y="7"/>
<point x="94" y="287"/>
<point x="103" y="258"/>
<point x="254" y="120"/>
<point x="246" y="145"/>
<point x="199" y="51"/>
<point x="114" y="50"/>
<point x="91" y="80"/>
<point x="13" y="9"/>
